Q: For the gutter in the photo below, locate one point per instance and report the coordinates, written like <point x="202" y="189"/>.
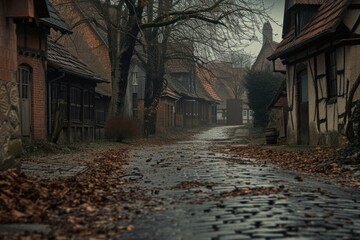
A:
<point x="79" y="75"/>
<point x="300" y="45"/>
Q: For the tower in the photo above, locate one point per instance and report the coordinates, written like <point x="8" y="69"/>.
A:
<point x="267" y="32"/>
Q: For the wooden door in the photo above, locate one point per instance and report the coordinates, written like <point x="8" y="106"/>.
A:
<point x="303" y="108"/>
<point x="25" y="100"/>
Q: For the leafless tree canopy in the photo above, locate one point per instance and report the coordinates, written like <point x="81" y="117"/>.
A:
<point x="213" y="27"/>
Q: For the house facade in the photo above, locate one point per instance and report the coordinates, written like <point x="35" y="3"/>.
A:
<point x="89" y="43"/>
<point x="32" y="46"/>
<point x="320" y="49"/>
<point x="72" y="112"/>
<point x="226" y="80"/>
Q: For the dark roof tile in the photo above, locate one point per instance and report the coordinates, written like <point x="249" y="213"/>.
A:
<point x="55" y="21"/>
<point x="59" y="58"/>
<point x="326" y="20"/>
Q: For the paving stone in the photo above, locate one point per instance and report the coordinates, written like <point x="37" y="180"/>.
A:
<point x="306" y="213"/>
<point x="234" y="237"/>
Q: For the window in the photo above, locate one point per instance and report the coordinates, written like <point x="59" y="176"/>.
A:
<point x="331" y="73"/>
<point x="25" y="76"/>
<point x="59" y="95"/>
<point x="302" y="78"/>
<point x="75" y="104"/>
<point x="303" y="17"/>
<point x="101" y="107"/>
<point x="244" y="113"/>
<point x="134" y="79"/>
<point x="88" y="105"/>
<point x="25" y="97"/>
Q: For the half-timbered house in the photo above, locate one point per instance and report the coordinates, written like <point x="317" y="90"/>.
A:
<point x="320" y="49"/>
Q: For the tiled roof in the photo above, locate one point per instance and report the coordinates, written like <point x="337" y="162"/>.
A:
<point x="326" y="20"/>
<point x="205" y="80"/>
<point x="177" y="87"/>
<point x="55" y="21"/>
<point x="221" y="81"/>
<point x="178" y="58"/>
<point x="89" y="11"/>
<point x="169" y="93"/>
<point x="62" y="60"/>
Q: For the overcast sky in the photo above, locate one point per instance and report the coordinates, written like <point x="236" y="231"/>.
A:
<point x="277" y="13"/>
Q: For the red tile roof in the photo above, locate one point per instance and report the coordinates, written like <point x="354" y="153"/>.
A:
<point x="206" y="79"/>
<point x="326" y="20"/>
<point x="221" y="80"/>
<point x="169" y="93"/>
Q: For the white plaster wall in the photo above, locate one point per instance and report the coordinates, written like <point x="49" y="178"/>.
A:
<point x="352" y="69"/>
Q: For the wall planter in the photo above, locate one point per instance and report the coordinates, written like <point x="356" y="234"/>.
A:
<point x="271" y="135"/>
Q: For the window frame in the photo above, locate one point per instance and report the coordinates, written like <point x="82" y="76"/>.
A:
<point x="331" y="73"/>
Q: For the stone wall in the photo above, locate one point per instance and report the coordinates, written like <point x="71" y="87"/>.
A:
<point x="10" y="139"/>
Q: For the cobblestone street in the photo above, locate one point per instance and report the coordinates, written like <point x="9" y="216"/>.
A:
<point x="208" y="195"/>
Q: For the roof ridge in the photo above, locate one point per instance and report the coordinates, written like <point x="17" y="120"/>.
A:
<point x="326" y="20"/>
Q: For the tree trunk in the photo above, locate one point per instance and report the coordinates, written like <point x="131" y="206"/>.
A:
<point x="349" y="128"/>
<point x="154" y="84"/>
<point x="120" y="71"/>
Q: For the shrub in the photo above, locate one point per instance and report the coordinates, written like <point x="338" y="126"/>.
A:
<point x="350" y="154"/>
<point x="261" y="88"/>
<point x="120" y="128"/>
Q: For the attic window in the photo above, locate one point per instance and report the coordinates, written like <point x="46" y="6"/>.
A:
<point x="303" y="16"/>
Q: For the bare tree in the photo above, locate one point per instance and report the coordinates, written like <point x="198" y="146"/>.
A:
<point x="199" y="39"/>
<point x="212" y="26"/>
<point x="240" y="64"/>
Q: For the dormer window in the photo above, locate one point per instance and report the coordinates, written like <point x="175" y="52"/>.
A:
<point x="302" y="16"/>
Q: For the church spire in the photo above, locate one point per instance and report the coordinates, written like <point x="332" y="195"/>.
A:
<point x="267" y="32"/>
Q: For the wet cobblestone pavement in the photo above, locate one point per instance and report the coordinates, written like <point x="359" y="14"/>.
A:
<point x="215" y="196"/>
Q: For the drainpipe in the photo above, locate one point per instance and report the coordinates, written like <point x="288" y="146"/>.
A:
<point x="49" y="98"/>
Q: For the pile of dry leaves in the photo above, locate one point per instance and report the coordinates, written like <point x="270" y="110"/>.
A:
<point x="319" y="160"/>
<point x="91" y="204"/>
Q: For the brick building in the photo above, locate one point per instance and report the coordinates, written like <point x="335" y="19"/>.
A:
<point x="13" y="15"/>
